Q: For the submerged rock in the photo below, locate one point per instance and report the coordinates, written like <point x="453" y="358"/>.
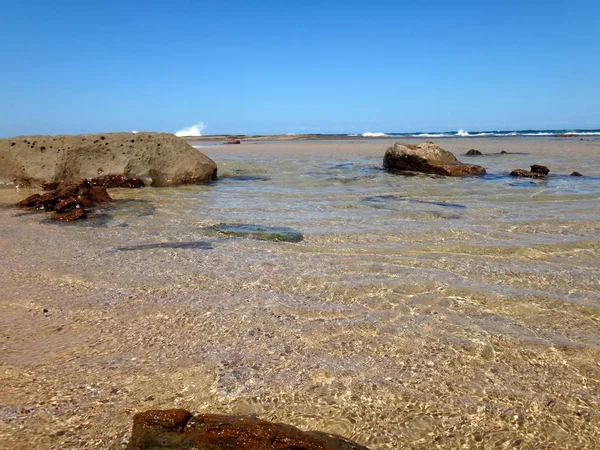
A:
<point x="233" y="141"/>
<point x="157" y="159"/>
<point x="537" y="171"/>
<point x="179" y="429"/>
<point x="526" y="173"/>
<point x="576" y="174"/>
<point x="473" y="152"/>
<point x="427" y="158"/>
<point x="260" y="232"/>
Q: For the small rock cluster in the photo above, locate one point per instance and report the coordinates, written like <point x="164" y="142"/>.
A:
<point x="69" y="200"/>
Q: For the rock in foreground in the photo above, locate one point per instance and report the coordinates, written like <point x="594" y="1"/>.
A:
<point x="179" y="429"/>
<point x="68" y="200"/>
<point x="427" y="158"/>
<point x="158" y="159"/>
<point x="260" y="232"/>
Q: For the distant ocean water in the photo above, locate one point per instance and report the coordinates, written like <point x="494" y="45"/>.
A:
<point x="474" y="133"/>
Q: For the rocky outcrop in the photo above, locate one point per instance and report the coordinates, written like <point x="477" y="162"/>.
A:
<point x="537" y="171"/>
<point x="576" y="174"/>
<point x="233" y="141"/>
<point x="426" y="158"/>
<point x="157" y="159"/>
<point x="68" y="200"/>
<point x="542" y="170"/>
<point x="179" y="429"/>
<point x="473" y="152"/>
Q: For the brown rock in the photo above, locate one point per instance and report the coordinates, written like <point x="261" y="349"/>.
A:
<point x="158" y="159"/>
<point x="50" y="185"/>
<point x="566" y="135"/>
<point x="576" y="174"/>
<point x="233" y="141"/>
<point x="178" y="429"/>
<point x="117" y="181"/>
<point x="473" y="152"/>
<point x="526" y="173"/>
<point x="427" y="158"/>
<point x="66" y="205"/>
<point x="542" y="170"/>
<point x="71" y="216"/>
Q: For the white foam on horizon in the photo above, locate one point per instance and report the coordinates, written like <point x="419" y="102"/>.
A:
<point x="194" y="130"/>
<point x="462" y="133"/>
<point x="369" y="134"/>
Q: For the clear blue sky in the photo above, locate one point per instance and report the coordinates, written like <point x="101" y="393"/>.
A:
<point x="298" y="66"/>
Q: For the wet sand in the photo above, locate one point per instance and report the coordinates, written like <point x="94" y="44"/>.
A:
<point x="395" y="324"/>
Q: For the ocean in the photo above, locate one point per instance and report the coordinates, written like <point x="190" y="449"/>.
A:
<point x="406" y="312"/>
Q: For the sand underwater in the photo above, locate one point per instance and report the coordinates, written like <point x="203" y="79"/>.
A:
<point x="414" y="312"/>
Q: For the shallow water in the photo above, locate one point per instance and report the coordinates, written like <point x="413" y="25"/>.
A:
<point x="416" y="312"/>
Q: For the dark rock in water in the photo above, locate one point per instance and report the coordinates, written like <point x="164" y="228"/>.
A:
<point x="503" y="152"/>
<point x="117" y="181"/>
<point x="233" y="141"/>
<point x="258" y="232"/>
<point x="194" y="245"/>
<point x="179" y="429"/>
<point x="473" y="152"/>
<point x="243" y="178"/>
<point x="427" y="158"/>
<point x="526" y="173"/>
<point x="71" y="216"/>
<point x="576" y="174"/>
<point x="542" y="170"/>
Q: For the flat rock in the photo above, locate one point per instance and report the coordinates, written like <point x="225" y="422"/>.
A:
<point x="264" y="233"/>
<point x="179" y="429"/>
<point x="427" y="158"/>
<point x="157" y="159"/>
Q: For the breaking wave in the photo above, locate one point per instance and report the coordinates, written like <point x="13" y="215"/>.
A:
<point x="194" y="130"/>
<point x="369" y="134"/>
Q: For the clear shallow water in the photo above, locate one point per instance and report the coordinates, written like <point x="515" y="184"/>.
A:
<point x="416" y="312"/>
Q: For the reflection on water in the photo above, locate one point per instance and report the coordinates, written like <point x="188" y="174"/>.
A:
<point x="416" y="313"/>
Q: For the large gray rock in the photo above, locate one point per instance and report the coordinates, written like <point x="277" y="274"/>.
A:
<point x="159" y="159"/>
<point x="427" y="158"/>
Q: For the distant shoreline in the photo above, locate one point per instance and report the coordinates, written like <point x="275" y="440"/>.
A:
<point x="346" y="137"/>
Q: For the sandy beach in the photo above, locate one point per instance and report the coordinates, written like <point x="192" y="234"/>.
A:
<point x="415" y="313"/>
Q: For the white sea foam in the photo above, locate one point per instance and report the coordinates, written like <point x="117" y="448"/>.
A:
<point x="462" y="133"/>
<point x="431" y="135"/>
<point x="369" y="134"/>
<point x="194" y="130"/>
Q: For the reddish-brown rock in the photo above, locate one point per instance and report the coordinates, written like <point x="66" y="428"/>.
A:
<point x="71" y="216"/>
<point x="178" y="429"/>
<point x="117" y="181"/>
<point x="68" y="199"/>
<point x="66" y="205"/>
<point x="233" y="141"/>
<point x="427" y="158"/>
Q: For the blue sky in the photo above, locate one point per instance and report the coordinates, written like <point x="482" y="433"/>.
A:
<point x="298" y="66"/>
